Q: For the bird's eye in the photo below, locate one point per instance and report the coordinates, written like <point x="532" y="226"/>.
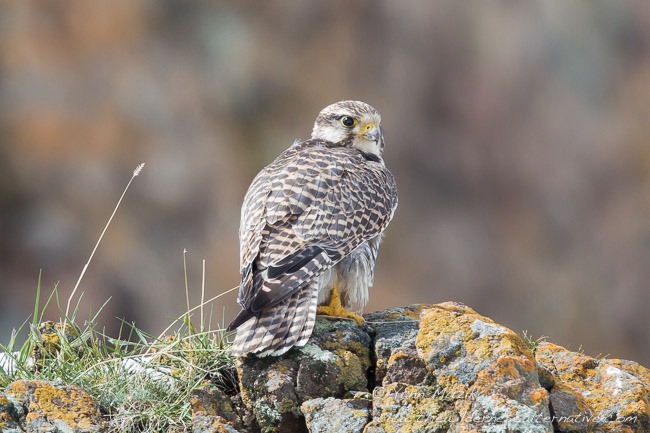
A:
<point x="348" y="121"/>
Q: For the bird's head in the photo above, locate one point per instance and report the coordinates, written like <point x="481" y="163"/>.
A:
<point x="351" y="124"/>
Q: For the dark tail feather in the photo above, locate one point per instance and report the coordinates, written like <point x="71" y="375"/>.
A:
<point x="278" y="329"/>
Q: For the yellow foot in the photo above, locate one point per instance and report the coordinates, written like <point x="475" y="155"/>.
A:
<point x="335" y="309"/>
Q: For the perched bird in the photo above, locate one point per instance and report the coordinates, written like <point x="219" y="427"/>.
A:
<point x="310" y="229"/>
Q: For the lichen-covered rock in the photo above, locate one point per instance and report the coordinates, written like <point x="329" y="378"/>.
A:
<point x="411" y="409"/>
<point x="9" y="415"/>
<point x="53" y="408"/>
<point x="486" y="368"/>
<point x="333" y="415"/>
<point x="440" y="368"/>
<point x="396" y="356"/>
<point x="211" y="424"/>
<point x="614" y="395"/>
<point x="213" y="411"/>
<point x="334" y="362"/>
<point x="507" y="397"/>
<point x="455" y="343"/>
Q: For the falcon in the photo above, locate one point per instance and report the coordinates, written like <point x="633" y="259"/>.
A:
<point x="311" y="224"/>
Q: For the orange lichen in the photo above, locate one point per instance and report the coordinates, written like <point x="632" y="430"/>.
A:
<point x="70" y="404"/>
<point x="539" y="396"/>
<point x="597" y="381"/>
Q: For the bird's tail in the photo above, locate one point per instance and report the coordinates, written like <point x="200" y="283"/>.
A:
<point x="281" y="327"/>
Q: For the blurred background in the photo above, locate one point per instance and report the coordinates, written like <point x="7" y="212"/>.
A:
<point x="518" y="132"/>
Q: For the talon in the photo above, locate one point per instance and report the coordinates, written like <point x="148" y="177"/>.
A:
<point x="335" y="309"/>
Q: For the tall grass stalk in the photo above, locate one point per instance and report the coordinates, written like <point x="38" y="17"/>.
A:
<point x="136" y="172"/>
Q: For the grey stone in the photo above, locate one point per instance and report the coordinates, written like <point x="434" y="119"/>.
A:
<point x="570" y="413"/>
<point x="411" y="409"/>
<point x="394" y="349"/>
<point x="332" y="415"/>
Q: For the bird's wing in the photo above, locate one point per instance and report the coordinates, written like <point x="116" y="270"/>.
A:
<point x="303" y="213"/>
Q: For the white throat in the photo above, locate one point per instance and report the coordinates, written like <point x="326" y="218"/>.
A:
<point x="370" y="147"/>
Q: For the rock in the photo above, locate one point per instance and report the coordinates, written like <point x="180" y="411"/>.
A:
<point x="53" y="408"/>
<point x="52" y="337"/>
<point x="332" y="415"/>
<point x="436" y="368"/>
<point x="506" y="396"/>
<point x="334" y="362"/>
<point x="9" y="415"/>
<point x="485" y="368"/>
<point x="211" y="424"/>
<point x="411" y="409"/>
<point x="455" y="343"/>
<point x="569" y="411"/>
<point x="611" y="395"/>
<point x="213" y="411"/>
<point x="395" y="353"/>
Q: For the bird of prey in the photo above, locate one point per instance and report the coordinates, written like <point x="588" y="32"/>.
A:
<point x="311" y="223"/>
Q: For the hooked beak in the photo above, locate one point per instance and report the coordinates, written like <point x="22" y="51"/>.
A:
<point x="371" y="132"/>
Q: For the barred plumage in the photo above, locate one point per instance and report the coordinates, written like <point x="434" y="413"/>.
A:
<point x="311" y="222"/>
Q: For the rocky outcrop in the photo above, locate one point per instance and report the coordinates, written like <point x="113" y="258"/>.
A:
<point x="439" y="368"/>
<point x="423" y="368"/>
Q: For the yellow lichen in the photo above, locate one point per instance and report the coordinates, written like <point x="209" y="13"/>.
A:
<point x="412" y="312"/>
<point x="75" y="407"/>
<point x="352" y="370"/>
<point x="71" y="404"/>
<point x="395" y="356"/>
<point x="455" y="321"/>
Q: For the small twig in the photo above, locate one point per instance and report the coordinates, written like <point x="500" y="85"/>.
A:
<point x="83" y="271"/>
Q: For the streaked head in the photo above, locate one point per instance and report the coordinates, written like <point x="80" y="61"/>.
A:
<point x="351" y="124"/>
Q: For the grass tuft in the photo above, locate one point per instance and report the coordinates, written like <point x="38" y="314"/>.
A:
<point x="532" y="342"/>
<point x="142" y="383"/>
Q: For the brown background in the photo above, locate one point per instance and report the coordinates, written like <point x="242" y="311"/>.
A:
<point x="519" y="134"/>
